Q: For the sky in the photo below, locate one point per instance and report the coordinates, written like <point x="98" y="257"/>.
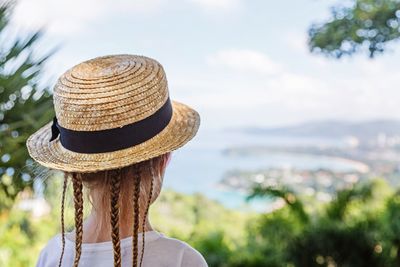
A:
<point x="240" y="63"/>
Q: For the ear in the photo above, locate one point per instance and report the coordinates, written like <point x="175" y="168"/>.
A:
<point x="167" y="158"/>
<point x="163" y="162"/>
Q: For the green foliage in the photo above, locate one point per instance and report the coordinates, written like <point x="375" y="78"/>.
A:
<point x="393" y="217"/>
<point x="22" y="237"/>
<point x="214" y="246"/>
<point x="269" y="238"/>
<point x="359" y="227"/>
<point x="336" y="209"/>
<point x="284" y="193"/>
<point x="334" y="245"/>
<point x="24" y="107"/>
<point x="365" y="23"/>
<point x="214" y="230"/>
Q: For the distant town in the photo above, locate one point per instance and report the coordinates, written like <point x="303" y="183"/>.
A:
<point x="373" y="148"/>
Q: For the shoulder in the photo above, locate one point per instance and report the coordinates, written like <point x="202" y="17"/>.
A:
<point x="192" y="257"/>
<point x="48" y="255"/>
<point x="189" y="255"/>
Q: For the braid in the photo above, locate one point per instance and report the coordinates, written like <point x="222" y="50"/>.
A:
<point x="136" y="217"/>
<point x="78" y="201"/>
<point x="147" y="210"/>
<point x="62" y="218"/>
<point x="115" y="187"/>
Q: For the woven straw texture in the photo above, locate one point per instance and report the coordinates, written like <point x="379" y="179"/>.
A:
<point x="106" y="93"/>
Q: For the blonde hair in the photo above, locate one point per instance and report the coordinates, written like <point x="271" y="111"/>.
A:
<point x="110" y="193"/>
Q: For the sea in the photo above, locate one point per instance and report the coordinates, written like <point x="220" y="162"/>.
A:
<point x="201" y="164"/>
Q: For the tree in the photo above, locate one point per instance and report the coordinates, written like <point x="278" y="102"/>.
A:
<point x="284" y="193"/>
<point x="24" y="107"/>
<point x="333" y="244"/>
<point x="365" y="25"/>
<point x="392" y="224"/>
<point x="328" y="235"/>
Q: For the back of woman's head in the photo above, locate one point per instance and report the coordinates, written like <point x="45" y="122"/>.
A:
<point x="123" y="194"/>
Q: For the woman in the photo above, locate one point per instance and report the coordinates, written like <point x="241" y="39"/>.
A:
<point x="113" y="132"/>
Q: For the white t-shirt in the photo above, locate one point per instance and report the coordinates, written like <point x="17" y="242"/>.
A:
<point x="159" y="251"/>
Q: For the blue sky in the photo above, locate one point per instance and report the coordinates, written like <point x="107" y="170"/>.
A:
<point x="240" y="63"/>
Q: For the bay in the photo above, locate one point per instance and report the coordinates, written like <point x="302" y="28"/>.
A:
<point x="200" y="165"/>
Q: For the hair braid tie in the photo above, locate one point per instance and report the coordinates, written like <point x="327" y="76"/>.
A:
<point x="62" y="218"/>
<point x="115" y="187"/>
<point x="136" y="218"/>
<point x="78" y="201"/>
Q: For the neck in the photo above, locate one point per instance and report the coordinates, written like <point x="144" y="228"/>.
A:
<point x="97" y="229"/>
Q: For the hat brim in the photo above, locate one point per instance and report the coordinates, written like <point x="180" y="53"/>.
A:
<point x="182" y="128"/>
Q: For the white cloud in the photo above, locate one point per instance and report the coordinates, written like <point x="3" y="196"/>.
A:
<point x="236" y="103"/>
<point x="226" y="99"/>
<point x="297" y="41"/>
<point x="244" y="60"/>
<point x="366" y="90"/>
<point x="65" y="17"/>
<point x="217" y="4"/>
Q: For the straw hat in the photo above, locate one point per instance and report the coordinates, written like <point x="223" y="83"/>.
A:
<point x="111" y="112"/>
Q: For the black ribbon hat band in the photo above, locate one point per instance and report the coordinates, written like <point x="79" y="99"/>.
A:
<point x="113" y="139"/>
